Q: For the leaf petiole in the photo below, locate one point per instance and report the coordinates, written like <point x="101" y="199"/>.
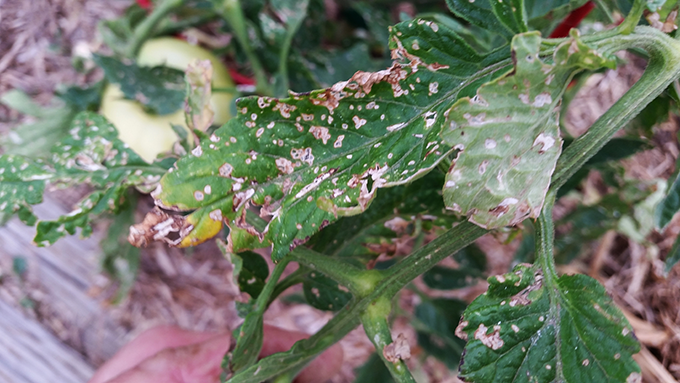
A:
<point x="390" y="351"/>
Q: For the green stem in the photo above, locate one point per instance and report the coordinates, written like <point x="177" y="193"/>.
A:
<point x="662" y="70"/>
<point x="146" y="28"/>
<point x="377" y="329"/>
<point x="296" y="277"/>
<point x="360" y="282"/>
<point x="232" y="12"/>
<point x="250" y="338"/>
<point x="631" y="21"/>
<point x="262" y="301"/>
<point x="545" y="237"/>
<point x="346" y="320"/>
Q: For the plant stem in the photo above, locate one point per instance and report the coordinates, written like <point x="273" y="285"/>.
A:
<point x="293" y="279"/>
<point x="633" y="18"/>
<point x="545" y="237"/>
<point x="346" y="320"/>
<point x="250" y="339"/>
<point x="146" y="28"/>
<point x="232" y="12"/>
<point x="378" y="331"/>
<point x="662" y="70"/>
<point x="360" y="282"/>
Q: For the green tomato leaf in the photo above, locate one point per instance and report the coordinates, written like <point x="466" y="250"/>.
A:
<point x="373" y="371"/>
<point x="90" y="154"/>
<point x="528" y="329"/>
<point x="197" y="109"/>
<point x="311" y="158"/>
<point x="250" y="272"/>
<point x="471" y="265"/>
<point x="84" y="98"/>
<point x="512" y="14"/>
<point x="446" y="278"/>
<point x="435" y="326"/>
<point x="324" y="293"/>
<point x="160" y="89"/>
<point x="22" y="183"/>
<point x="479" y="13"/>
<point x="508" y="134"/>
<point x="673" y="256"/>
<point x="93" y="154"/>
<point x="121" y="259"/>
<point x="670" y="205"/>
<point x="35" y="139"/>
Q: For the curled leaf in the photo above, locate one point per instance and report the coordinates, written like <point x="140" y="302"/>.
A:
<point x="508" y="136"/>
<point x="197" y="108"/>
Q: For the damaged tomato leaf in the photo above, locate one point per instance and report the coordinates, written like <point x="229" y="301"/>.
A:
<point x="22" y="183"/>
<point x="434" y="322"/>
<point x="311" y="158"/>
<point x="250" y="271"/>
<point x="198" y="111"/>
<point x="517" y="331"/>
<point x="388" y="225"/>
<point x="508" y="134"/>
<point x="90" y="154"/>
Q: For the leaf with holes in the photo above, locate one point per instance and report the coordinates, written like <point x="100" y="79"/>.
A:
<point x="311" y="158"/>
<point x="508" y="134"/>
<point x="90" y="154"/>
<point x="389" y="225"/>
<point x="22" y="183"/>
<point x="534" y="329"/>
<point x="93" y="154"/>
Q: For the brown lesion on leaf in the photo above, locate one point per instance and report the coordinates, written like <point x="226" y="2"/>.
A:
<point x="241" y="222"/>
<point x="397" y="350"/>
<point x="159" y="226"/>
<point x="460" y="329"/>
<point x="493" y="340"/>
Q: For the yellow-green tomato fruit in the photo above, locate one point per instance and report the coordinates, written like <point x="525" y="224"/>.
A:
<point x="150" y="135"/>
<point x="147" y="134"/>
<point x="175" y="53"/>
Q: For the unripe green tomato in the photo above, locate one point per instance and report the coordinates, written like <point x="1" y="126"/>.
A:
<point x="148" y="134"/>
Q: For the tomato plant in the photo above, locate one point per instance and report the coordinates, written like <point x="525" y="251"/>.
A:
<point x="458" y="137"/>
